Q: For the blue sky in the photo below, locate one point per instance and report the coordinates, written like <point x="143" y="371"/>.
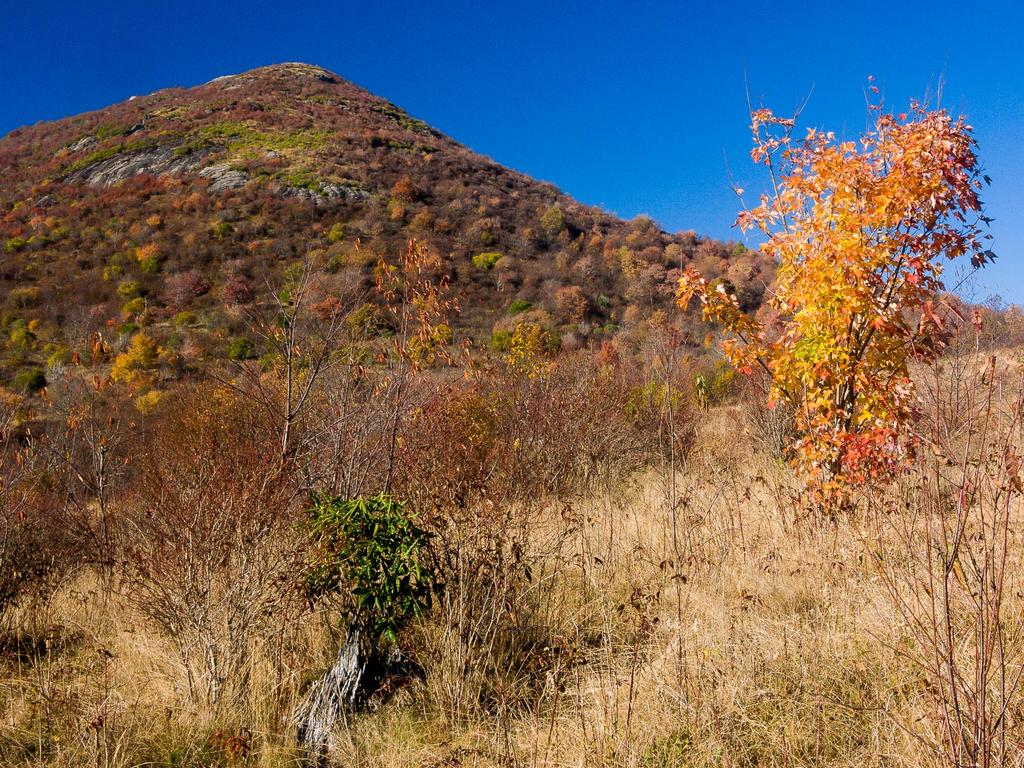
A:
<point x="638" y="107"/>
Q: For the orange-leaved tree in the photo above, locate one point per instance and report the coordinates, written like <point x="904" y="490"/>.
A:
<point x="860" y="231"/>
<point x="415" y="292"/>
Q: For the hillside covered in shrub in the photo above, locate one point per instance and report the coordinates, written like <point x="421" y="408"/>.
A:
<point x="169" y="211"/>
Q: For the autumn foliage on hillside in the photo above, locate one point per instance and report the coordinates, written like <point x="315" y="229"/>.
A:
<point x="166" y="213"/>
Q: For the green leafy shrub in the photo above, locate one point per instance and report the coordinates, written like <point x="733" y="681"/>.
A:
<point x="238" y="135"/>
<point x="713" y="385"/>
<point x="519" y="305"/>
<point x="133" y="307"/>
<point x="508" y="332"/>
<point x="401" y="146"/>
<point x="58" y="355"/>
<point x="23" y="297"/>
<point x="242" y="349"/>
<point x="185" y="317"/>
<point x="486" y="260"/>
<point x="110" y="130"/>
<point x="365" y="319"/>
<point x="668" y="751"/>
<point x="336" y="233"/>
<point x="648" y="400"/>
<point x="501" y="340"/>
<point x="148" y="258"/>
<point x="553" y="220"/>
<point x="402" y="118"/>
<point x="369" y="549"/>
<point x="105" y="154"/>
<point x="129" y="289"/>
<point x="222" y="229"/>
<point x="301" y="179"/>
<point x="30" y="380"/>
<point x="20" y="333"/>
<point x="15" y="244"/>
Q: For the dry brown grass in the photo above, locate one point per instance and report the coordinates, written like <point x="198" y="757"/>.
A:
<point x="711" y="621"/>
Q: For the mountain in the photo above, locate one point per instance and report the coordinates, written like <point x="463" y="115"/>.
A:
<point x="162" y="210"/>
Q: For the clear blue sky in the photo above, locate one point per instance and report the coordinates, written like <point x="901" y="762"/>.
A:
<point x="634" y="106"/>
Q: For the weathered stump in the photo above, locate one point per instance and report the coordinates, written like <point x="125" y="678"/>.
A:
<point x="364" y="674"/>
<point x="337" y="692"/>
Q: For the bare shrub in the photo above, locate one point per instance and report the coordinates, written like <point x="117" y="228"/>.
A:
<point x="499" y="626"/>
<point x="182" y="289"/>
<point x="585" y="425"/>
<point x="34" y="549"/>
<point x="87" y="447"/>
<point x="953" y="571"/>
<point x="487" y="464"/>
<point x="773" y="426"/>
<point x="348" y="428"/>
<point x="297" y="326"/>
<point x="209" y="540"/>
<point x="510" y="437"/>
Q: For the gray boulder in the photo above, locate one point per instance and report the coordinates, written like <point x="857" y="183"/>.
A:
<point x="224" y="177"/>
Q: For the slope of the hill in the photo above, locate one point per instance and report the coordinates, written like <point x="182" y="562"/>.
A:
<point x="176" y="204"/>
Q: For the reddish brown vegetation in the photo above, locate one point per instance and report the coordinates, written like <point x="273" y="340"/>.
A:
<point x="324" y="166"/>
